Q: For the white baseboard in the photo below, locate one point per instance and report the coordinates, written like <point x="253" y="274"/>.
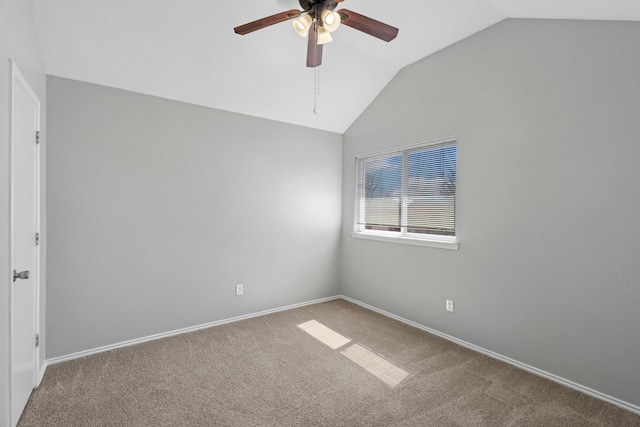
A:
<point x="555" y="378"/>
<point x="41" y="372"/>
<point x="84" y="353"/>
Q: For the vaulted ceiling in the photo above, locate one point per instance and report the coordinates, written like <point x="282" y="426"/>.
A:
<point x="187" y="51"/>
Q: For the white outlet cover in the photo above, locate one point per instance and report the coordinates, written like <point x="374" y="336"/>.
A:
<point x="449" y="305"/>
<point x="239" y="290"/>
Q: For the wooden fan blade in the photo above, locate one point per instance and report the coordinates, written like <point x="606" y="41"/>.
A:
<point x="368" y="25"/>
<point x="314" y="50"/>
<point x="265" y="22"/>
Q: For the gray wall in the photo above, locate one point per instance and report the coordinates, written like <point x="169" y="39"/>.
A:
<point x="547" y="118"/>
<point x="18" y="42"/>
<point x="157" y="209"/>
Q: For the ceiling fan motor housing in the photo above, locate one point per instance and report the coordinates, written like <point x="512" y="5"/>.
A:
<point x="320" y="5"/>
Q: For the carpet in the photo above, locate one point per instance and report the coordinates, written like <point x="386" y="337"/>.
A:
<point x="328" y="364"/>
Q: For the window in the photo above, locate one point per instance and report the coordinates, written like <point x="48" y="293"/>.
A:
<point x="408" y="195"/>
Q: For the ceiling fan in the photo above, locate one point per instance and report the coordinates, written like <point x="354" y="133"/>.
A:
<point x="318" y="20"/>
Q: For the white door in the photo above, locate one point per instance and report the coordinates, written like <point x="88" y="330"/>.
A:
<point x="25" y="109"/>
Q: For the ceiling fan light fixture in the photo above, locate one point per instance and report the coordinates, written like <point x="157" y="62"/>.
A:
<point x="324" y="36"/>
<point x="302" y="25"/>
<point x="316" y="21"/>
<point x="330" y="20"/>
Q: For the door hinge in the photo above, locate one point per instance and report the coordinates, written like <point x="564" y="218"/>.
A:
<point x="38" y="137"/>
<point x="37" y="239"/>
<point x="37" y="340"/>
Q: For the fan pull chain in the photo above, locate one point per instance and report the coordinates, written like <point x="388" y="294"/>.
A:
<point x="316" y="90"/>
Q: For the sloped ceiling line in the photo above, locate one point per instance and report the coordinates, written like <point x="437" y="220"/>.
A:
<point x="187" y="51"/>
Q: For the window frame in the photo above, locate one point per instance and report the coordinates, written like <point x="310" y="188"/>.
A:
<point x="402" y="236"/>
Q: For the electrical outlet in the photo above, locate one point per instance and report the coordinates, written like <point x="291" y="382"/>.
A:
<point x="449" y="305"/>
<point x="239" y="290"/>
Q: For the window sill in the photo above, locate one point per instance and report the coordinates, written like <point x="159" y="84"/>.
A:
<point x="432" y="241"/>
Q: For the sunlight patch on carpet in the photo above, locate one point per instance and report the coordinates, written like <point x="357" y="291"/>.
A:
<point x="323" y="334"/>
<point x="374" y="364"/>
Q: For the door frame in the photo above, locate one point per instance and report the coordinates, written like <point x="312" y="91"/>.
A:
<point x="18" y="78"/>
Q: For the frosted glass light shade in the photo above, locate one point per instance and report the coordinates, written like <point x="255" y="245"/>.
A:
<point x="330" y="20"/>
<point x="302" y="25"/>
<point x="324" y="36"/>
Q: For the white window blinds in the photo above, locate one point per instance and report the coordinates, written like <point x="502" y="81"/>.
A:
<point x="409" y="191"/>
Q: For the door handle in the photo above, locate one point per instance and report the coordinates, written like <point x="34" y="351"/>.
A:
<point x="21" y="275"/>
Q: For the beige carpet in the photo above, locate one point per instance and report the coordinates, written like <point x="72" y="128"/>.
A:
<point x="343" y="366"/>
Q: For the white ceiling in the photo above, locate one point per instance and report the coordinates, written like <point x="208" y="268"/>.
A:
<point x="186" y="50"/>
